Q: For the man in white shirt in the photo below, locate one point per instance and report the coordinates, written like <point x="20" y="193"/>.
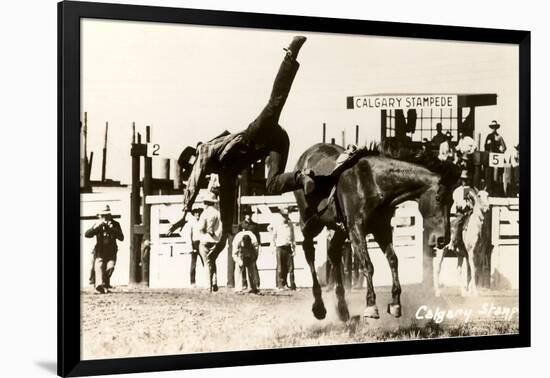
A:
<point x="210" y="228"/>
<point x="282" y="238"/>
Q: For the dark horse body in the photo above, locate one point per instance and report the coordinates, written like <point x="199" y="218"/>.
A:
<point x="368" y="188"/>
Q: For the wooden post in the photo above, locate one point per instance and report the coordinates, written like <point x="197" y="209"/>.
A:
<point x="357" y="135"/>
<point x="161" y="168"/>
<point x="175" y="174"/>
<point x="85" y="133"/>
<point x="476" y="157"/>
<point x="459" y="127"/>
<point x="147" y="190"/>
<point x="383" y="120"/>
<point x="84" y="167"/>
<point x="472" y="116"/>
<point x="489" y="174"/>
<point x="104" y="162"/>
<point x="332" y="141"/>
<point x="344" y="138"/>
<point x="324" y="132"/>
<point x="135" y="253"/>
<point x="479" y="141"/>
<point x="89" y="169"/>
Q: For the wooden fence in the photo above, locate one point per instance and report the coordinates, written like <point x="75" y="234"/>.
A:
<point x="170" y="256"/>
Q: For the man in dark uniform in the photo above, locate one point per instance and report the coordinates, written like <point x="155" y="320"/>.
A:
<point x="249" y="225"/>
<point x="495" y="143"/>
<point x="106" y="231"/>
<point x="439" y="137"/>
<point x="228" y="154"/>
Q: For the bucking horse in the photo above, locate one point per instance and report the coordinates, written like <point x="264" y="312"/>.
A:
<point x="359" y="197"/>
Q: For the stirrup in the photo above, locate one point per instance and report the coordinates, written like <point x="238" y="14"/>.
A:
<point x="341" y="226"/>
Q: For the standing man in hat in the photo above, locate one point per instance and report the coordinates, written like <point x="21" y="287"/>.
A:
<point x="494" y="141"/>
<point x="245" y="252"/>
<point x="439" y="137"/>
<point x="282" y="234"/>
<point x="228" y="154"/>
<point x="210" y="228"/>
<point x="249" y="225"/>
<point x="106" y="231"/>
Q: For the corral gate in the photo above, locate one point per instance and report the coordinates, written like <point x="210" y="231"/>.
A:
<point x="505" y="240"/>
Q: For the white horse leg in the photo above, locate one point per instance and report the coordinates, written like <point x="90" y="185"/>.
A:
<point x="472" y="287"/>
<point x="438" y="262"/>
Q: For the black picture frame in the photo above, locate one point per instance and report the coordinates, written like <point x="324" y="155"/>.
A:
<point x="69" y="16"/>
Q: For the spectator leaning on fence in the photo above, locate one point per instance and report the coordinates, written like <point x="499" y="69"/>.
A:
<point x="210" y="228"/>
<point x="249" y="225"/>
<point x="282" y="238"/>
<point x="245" y="253"/>
<point x="106" y="231"/>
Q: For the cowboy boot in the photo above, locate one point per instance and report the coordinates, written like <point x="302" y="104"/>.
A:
<point x="294" y="47"/>
<point x="305" y="180"/>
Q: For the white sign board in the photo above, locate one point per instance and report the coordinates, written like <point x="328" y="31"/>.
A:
<point x="153" y="149"/>
<point x="389" y="102"/>
<point x="497" y="160"/>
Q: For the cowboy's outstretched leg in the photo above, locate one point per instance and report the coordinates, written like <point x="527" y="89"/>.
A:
<point x="258" y="132"/>
<point x="265" y="132"/>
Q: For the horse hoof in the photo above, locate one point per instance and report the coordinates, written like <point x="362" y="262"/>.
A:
<point x="371" y="312"/>
<point x="394" y="310"/>
<point x="319" y="310"/>
<point x="343" y="312"/>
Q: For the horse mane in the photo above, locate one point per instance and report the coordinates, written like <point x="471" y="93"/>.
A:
<point x="448" y="171"/>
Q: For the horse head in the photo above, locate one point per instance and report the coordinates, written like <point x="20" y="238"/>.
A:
<point x="435" y="205"/>
<point x="481" y="200"/>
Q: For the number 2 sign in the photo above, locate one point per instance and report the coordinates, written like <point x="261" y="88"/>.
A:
<point x="153" y="149"/>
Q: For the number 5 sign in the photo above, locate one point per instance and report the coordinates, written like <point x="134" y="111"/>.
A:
<point x="153" y="149"/>
<point x="496" y="160"/>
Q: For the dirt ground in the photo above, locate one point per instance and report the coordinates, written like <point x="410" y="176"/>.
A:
<point x="145" y="322"/>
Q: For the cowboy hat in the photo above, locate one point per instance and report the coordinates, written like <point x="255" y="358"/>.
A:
<point x="105" y="211"/>
<point x="494" y="125"/>
<point x="210" y="198"/>
<point x="247" y="210"/>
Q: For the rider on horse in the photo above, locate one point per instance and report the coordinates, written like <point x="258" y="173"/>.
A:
<point x="463" y="198"/>
<point x="228" y="154"/>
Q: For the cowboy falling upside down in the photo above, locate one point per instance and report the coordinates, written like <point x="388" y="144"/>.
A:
<point x="228" y="154"/>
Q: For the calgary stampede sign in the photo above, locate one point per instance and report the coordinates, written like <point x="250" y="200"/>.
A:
<point x="387" y="102"/>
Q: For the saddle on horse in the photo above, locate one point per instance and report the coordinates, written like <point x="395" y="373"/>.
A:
<point x="325" y="193"/>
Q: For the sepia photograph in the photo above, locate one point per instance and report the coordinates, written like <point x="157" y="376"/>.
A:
<point x="246" y="189"/>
